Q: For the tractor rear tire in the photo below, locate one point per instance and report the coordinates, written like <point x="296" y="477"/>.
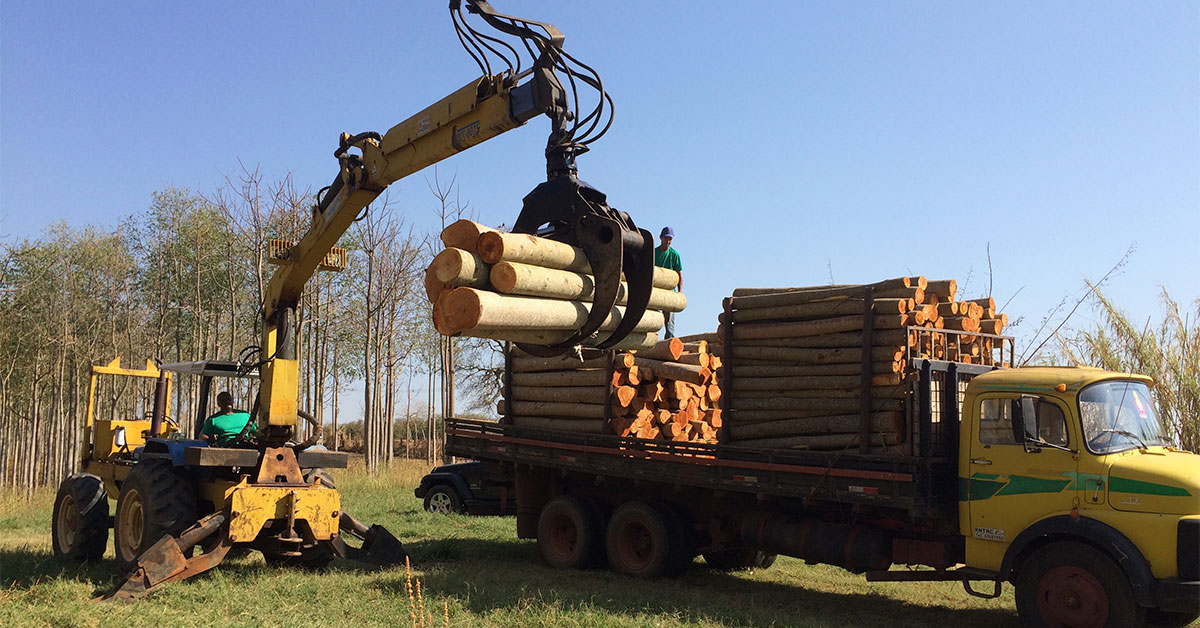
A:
<point x="317" y="472"/>
<point x="79" y="529"/>
<point x="155" y="500"/>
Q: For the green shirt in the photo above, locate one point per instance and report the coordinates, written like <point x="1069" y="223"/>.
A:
<point x="668" y="259"/>
<point x="226" y="426"/>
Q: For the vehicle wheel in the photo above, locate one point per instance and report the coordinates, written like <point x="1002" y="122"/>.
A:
<point x="638" y="540"/>
<point x="570" y="536"/>
<point x="739" y="559"/>
<point x="318" y="472"/>
<point x="315" y="558"/>
<point x="1072" y="584"/>
<point x="155" y="500"/>
<point x="80" y="521"/>
<point x="1167" y="619"/>
<point x="442" y="499"/>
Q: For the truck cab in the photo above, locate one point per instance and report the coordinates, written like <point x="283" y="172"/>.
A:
<point x="1069" y="488"/>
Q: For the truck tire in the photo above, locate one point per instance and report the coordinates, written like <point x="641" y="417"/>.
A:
<point x="442" y="499"/>
<point x="683" y="542"/>
<point x="639" y="540"/>
<point x="570" y="535"/>
<point x="79" y="528"/>
<point x="155" y="500"/>
<point x="739" y="559"/>
<point x="1068" y="583"/>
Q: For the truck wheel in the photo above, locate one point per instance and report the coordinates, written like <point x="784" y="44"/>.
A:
<point x="638" y="540"/>
<point x="739" y="559"/>
<point x="1167" y="619"/>
<point x="569" y="533"/>
<point x="155" y="500"/>
<point x="79" y="528"/>
<point x="1072" y="584"/>
<point x="443" y="500"/>
<point x="683" y="546"/>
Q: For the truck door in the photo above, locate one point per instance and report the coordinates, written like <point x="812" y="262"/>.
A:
<point x="1019" y="471"/>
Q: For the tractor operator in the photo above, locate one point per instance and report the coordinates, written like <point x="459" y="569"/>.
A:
<point x="226" y="424"/>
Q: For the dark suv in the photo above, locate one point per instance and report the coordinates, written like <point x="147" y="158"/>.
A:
<point x="473" y="488"/>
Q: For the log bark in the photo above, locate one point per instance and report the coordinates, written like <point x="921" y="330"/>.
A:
<point x="497" y="247"/>
<point x="829" y="406"/>
<point x="632" y="342"/>
<point x="816" y="356"/>
<point x="464" y="234"/>
<point x="468" y="308"/>
<point x="535" y="281"/>
<point x="709" y="337"/>
<point x="779" y="370"/>
<point x="584" y="426"/>
<point x="558" y="409"/>
<point x="813" y="382"/>
<point x="695" y="359"/>
<point x="892" y="288"/>
<point x="840" y="424"/>
<point x="820" y="310"/>
<point x="673" y="370"/>
<point x="596" y="377"/>
<point x="880" y="338"/>
<point x="877" y="392"/>
<point x="667" y="350"/>
<point x="528" y="364"/>
<point x="457" y="267"/>
<point x="433" y="286"/>
<point x="561" y="394"/>
<point x="945" y="289"/>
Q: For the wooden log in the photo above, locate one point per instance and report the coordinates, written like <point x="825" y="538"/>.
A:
<point x="816" y="356"/>
<point x="697" y="346"/>
<point x="464" y="234"/>
<point x="456" y="267"/>
<point x="622" y="395"/>
<point x="632" y="342"/>
<point x="820" y="310"/>
<point x="790" y="296"/>
<point x="439" y="317"/>
<point x="948" y="309"/>
<point x="558" y="409"/>
<point x="709" y="337"/>
<point x="811" y="382"/>
<point x="433" y="286"/>
<point x="468" y="308"/>
<point x="673" y="370"/>
<point x="620" y="426"/>
<point x="715" y="362"/>
<point x="987" y="302"/>
<point x="963" y="323"/>
<point x="633" y="374"/>
<point x="713" y="417"/>
<point x="945" y="289"/>
<point x="880" y="338"/>
<point x="697" y="359"/>
<point x="829" y="406"/>
<point x="523" y="248"/>
<point x="779" y="370"/>
<point x="591" y="377"/>
<point x="821" y="441"/>
<point x="991" y="326"/>
<point x="582" y="426"/>
<point x="529" y="364"/>
<point x="748" y="292"/>
<point x="561" y="394"/>
<point x="529" y="280"/>
<point x="876" y="392"/>
<point x="667" y="350"/>
<point x="746" y="417"/>
<point x="840" y="424"/>
<point x="713" y="392"/>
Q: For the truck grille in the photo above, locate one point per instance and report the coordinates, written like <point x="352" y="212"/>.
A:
<point x="1187" y="552"/>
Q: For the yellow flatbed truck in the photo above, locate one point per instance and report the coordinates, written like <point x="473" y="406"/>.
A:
<point x="1056" y="480"/>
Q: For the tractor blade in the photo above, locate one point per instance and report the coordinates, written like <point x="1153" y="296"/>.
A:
<point x="379" y="546"/>
<point x="166" y="561"/>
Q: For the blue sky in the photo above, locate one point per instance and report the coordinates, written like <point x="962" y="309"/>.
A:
<point x="787" y="143"/>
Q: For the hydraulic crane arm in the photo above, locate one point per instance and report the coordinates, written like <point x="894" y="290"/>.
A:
<point x="563" y="208"/>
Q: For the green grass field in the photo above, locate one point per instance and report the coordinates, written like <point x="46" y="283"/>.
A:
<point x="475" y="568"/>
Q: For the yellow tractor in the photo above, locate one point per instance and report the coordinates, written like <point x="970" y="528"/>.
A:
<point x="175" y="494"/>
<point x="181" y="504"/>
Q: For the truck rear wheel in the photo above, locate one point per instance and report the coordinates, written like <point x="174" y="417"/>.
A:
<point x="155" y="501"/>
<point x="79" y="528"/>
<point x="1073" y="584"/>
<point x="639" y="540"/>
<point x="570" y="535"/>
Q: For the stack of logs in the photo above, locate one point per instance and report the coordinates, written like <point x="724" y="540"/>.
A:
<point x="522" y="288"/>
<point x="666" y="392"/>
<point x="796" y="359"/>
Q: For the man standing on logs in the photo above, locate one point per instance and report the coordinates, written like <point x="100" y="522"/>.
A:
<point x="667" y="257"/>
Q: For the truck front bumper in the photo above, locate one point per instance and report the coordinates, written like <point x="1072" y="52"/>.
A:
<point x="1175" y="596"/>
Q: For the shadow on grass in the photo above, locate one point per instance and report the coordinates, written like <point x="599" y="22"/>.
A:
<point x="489" y="576"/>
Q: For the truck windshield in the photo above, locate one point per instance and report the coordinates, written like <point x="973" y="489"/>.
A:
<point x="1119" y="415"/>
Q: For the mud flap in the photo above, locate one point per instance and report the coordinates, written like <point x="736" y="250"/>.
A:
<point x="379" y="546"/>
<point x="166" y="560"/>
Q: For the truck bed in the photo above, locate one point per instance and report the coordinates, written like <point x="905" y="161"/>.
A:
<point x="921" y="487"/>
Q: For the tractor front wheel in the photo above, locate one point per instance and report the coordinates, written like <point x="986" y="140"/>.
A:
<point x="155" y="501"/>
<point x="79" y="528"/>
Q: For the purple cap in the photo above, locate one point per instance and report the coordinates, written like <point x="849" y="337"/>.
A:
<point x="667" y="233"/>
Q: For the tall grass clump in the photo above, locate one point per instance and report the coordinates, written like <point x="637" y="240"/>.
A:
<point x="1169" y="352"/>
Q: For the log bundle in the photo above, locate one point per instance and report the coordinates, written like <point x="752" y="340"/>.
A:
<point x="527" y="289"/>
<point x="666" y="392"/>
<point x="817" y="368"/>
